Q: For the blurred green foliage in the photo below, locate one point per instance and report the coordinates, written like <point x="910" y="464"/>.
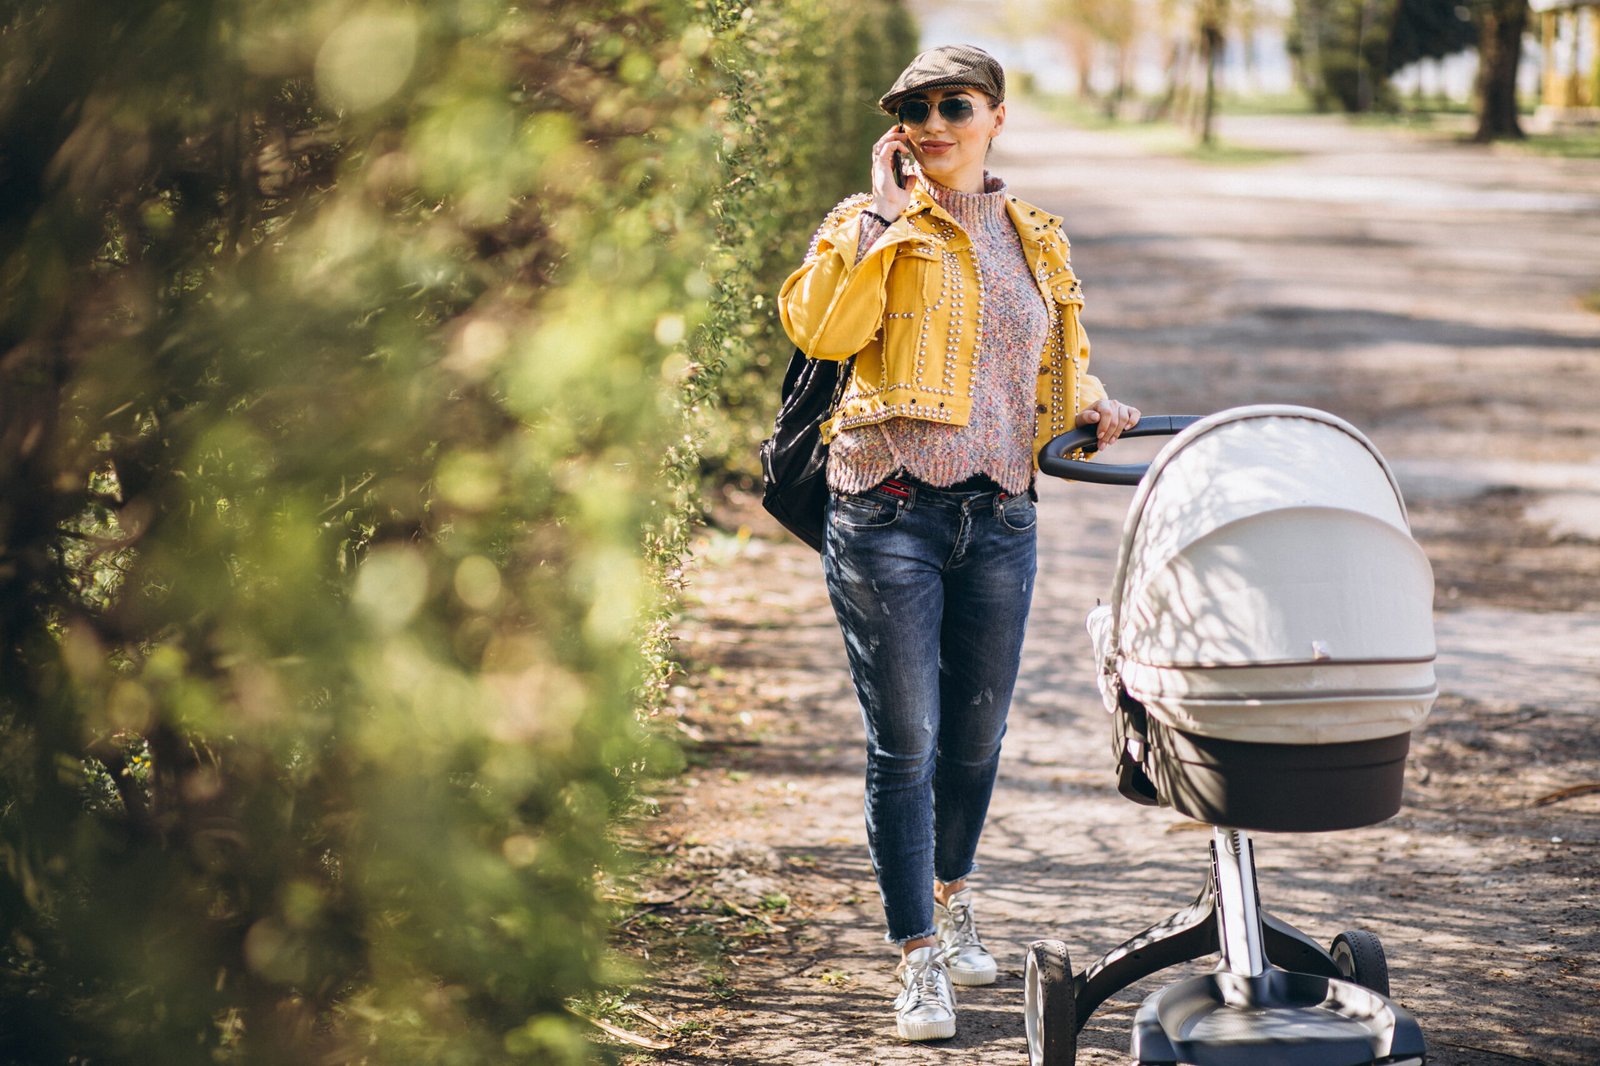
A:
<point x="342" y="459"/>
<point x="1347" y="50"/>
<point x="1340" y="48"/>
<point x="803" y="80"/>
<point x="1429" y="29"/>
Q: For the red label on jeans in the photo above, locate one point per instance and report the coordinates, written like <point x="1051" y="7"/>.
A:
<point x="896" y="488"/>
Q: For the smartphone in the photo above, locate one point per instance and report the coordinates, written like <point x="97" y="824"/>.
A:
<point x="899" y="165"/>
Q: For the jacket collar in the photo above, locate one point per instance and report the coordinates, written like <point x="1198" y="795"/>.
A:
<point x="1033" y="223"/>
<point x="922" y="201"/>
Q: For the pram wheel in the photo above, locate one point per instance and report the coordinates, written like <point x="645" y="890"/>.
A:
<point x="1050" y="1010"/>
<point x="1359" y="956"/>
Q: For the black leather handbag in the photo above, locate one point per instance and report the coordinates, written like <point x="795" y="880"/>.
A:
<point x="794" y="460"/>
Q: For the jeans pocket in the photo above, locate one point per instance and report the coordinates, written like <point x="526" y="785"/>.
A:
<point x="1017" y="513"/>
<point x="867" y="510"/>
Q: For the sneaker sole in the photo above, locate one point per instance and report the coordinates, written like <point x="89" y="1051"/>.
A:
<point x="971" y="978"/>
<point x="926" y="1030"/>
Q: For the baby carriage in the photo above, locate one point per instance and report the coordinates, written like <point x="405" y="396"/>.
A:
<point x="1266" y="652"/>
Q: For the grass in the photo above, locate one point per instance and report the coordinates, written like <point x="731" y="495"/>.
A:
<point x="1161" y="137"/>
<point x="1429" y="117"/>
<point x="1290" y="103"/>
<point x="1590" y="301"/>
<point x="1450" y="121"/>
<point x="1078" y="111"/>
<point x="1576" y="145"/>
<point x="1221" y="153"/>
<point x="1460" y="120"/>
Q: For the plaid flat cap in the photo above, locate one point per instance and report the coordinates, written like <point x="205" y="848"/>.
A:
<point x="942" y="67"/>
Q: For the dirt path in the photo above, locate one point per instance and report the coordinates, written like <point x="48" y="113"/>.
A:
<point x="1428" y="293"/>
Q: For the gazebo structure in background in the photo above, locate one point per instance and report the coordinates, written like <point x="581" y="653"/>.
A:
<point x="1569" y="32"/>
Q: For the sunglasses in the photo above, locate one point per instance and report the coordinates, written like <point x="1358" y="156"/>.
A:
<point x="956" y="110"/>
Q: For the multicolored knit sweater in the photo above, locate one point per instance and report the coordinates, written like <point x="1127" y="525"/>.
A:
<point x="998" y="441"/>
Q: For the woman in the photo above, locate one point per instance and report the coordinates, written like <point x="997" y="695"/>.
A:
<point x="958" y="304"/>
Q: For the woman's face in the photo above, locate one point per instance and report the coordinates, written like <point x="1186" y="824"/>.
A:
<point x="948" y="151"/>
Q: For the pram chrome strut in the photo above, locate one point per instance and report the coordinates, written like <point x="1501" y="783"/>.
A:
<point x="1226" y="918"/>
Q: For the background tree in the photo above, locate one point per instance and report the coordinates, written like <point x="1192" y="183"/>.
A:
<point x="1501" y="24"/>
<point x="1347" y="51"/>
<point x="1211" y="23"/>
<point x="1098" y="33"/>
<point x="1429" y="29"/>
<point x="1342" y="52"/>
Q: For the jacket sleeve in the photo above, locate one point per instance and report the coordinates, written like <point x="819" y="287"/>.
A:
<point x="1090" y="388"/>
<point x="1093" y="392"/>
<point x="833" y="305"/>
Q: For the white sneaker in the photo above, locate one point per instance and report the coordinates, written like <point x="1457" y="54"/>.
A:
<point x="925" y="1009"/>
<point x="969" y="963"/>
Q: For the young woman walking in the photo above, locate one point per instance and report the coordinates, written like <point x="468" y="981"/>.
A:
<point x="959" y="307"/>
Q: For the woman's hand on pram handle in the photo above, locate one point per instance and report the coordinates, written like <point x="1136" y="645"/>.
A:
<point x="1053" y="456"/>
<point x="1110" y="419"/>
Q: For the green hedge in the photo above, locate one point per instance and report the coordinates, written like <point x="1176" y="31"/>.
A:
<point x="804" y="79"/>
<point x="341" y="455"/>
<point x="339" y="352"/>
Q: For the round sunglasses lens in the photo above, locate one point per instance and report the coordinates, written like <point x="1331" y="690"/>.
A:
<point x="915" y="112"/>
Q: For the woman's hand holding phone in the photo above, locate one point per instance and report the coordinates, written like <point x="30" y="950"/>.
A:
<point x="890" y="198"/>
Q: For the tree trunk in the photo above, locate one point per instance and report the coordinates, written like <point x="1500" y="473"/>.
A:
<point x="1499" y="54"/>
<point x="1211" y="42"/>
<point x="1177" y="73"/>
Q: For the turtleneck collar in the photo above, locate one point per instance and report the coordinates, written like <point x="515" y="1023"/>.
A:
<point x="971" y="210"/>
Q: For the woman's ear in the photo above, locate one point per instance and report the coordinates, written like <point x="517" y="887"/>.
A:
<point x="999" y="117"/>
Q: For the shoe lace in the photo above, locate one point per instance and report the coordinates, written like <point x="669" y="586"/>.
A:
<point x="923" y="980"/>
<point x="963" y="928"/>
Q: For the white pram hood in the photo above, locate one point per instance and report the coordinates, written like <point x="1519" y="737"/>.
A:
<point x="1268" y="588"/>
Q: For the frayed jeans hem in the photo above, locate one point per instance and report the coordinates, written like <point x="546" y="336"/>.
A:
<point x="974" y="868"/>
<point x="903" y="941"/>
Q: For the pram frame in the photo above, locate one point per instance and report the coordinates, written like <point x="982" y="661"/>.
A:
<point x="1268" y="970"/>
<point x="1231" y="903"/>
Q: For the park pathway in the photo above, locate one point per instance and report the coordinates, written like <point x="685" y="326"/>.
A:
<point x="1425" y="290"/>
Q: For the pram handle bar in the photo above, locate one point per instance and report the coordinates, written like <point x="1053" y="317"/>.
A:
<point x="1053" y="456"/>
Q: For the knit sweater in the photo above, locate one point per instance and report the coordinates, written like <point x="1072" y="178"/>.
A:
<point x="998" y="439"/>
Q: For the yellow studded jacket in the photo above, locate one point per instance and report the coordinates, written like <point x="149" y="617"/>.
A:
<point x="911" y="313"/>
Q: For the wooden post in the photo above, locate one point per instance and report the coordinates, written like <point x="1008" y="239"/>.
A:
<point x="1594" y="55"/>
<point x="1575" y="78"/>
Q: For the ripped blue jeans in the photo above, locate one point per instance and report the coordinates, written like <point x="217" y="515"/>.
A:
<point x="931" y="588"/>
